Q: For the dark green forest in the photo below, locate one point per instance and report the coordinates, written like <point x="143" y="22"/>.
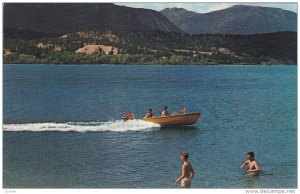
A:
<point x="150" y="47"/>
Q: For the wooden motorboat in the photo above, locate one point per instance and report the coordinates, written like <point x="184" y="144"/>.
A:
<point x="178" y="119"/>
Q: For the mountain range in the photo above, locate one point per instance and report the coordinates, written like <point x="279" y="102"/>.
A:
<point x="239" y="19"/>
<point x="105" y="33"/>
<point x="60" y="18"/>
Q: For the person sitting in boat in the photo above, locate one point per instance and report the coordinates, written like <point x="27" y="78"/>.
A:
<point x="165" y="112"/>
<point x="149" y="113"/>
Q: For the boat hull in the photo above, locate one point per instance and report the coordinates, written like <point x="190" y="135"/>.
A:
<point x="180" y="119"/>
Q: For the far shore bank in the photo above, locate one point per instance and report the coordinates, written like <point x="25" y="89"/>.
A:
<point x="134" y="64"/>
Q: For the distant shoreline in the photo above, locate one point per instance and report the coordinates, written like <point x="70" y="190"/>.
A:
<point x="154" y="64"/>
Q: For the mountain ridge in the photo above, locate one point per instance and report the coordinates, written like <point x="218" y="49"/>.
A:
<point x="238" y="19"/>
<point x="59" y="18"/>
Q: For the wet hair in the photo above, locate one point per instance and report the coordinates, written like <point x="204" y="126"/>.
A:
<point x="185" y="155"/>
<point x="165" y="107"/>
<point x="150" y="109"/>
<point x="251" y="154"/>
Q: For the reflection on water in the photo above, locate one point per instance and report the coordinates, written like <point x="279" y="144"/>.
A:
<point x="251" y="180"/>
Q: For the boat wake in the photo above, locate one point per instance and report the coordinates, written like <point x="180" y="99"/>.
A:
<point x="117" y="126"/>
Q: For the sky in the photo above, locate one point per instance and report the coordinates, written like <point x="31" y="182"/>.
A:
<point x="205" y="7"/>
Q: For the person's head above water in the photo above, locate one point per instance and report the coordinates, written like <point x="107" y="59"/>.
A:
<point x="250" y="155"/>
<point x="149" y="110"/>
<point x="184" y="155"/>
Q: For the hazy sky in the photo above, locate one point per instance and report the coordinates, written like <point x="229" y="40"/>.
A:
<point x="206" y="7"/>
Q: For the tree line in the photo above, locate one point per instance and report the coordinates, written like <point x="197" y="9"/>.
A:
<point x="155" y="47"/>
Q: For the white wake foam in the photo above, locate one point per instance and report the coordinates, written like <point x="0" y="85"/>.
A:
<point x="118" y="126"/>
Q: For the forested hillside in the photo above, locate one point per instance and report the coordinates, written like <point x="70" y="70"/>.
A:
<point x="149" y="47"/>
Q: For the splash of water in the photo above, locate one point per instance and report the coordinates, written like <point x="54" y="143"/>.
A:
<point x="117" y="126"/>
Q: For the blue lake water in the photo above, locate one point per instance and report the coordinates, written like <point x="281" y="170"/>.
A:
<point x="62" y="126"/>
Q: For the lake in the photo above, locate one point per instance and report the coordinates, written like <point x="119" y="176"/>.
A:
<point x="63" y="129"/>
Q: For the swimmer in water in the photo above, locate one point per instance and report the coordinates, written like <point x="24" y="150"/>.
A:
<point x="252" y="163"/>
<point x="187" y="171"/>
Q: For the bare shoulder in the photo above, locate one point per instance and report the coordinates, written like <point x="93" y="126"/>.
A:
<point x="184" y="165"/>
<point x="187" y="165"/>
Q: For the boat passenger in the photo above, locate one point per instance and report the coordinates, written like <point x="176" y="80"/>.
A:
<point x="149" y="113"/>
<point x="165" y="112"/>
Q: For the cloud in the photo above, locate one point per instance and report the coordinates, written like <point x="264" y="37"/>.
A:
<point x="218" y="6"/>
